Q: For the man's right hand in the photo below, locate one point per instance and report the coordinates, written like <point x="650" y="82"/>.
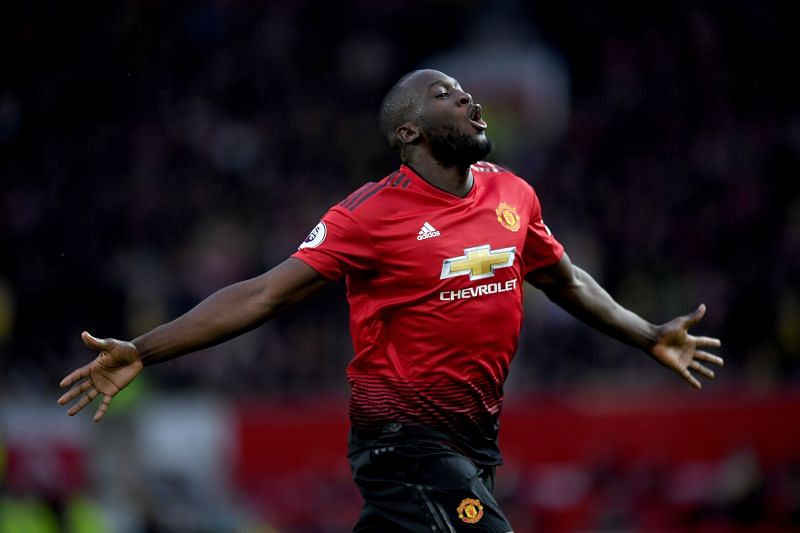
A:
<point x="112" y="370"/>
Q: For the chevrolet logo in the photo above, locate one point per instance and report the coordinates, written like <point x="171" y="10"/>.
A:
<point x="479" y="262"/>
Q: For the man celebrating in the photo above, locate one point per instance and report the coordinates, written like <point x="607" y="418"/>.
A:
<point x="434" y="256"/>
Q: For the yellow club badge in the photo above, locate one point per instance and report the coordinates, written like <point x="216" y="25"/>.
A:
<point x="507" y="216"/>
<point x="470" y="510"/>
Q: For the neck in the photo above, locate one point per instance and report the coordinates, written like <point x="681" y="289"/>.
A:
<point x="455" y="180"/>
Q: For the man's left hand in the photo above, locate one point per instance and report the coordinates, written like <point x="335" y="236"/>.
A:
<point x="676" y="349"/>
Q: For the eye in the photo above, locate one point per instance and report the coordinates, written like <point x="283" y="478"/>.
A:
<point x="442" y="94"/>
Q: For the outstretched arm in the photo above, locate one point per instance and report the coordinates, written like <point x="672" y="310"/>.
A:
<point x="223" y="315"/>
<point x="230" y="312"/>
<point x="670" y="343"/>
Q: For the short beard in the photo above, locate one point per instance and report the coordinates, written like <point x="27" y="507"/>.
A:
<point x="452" y="148"/>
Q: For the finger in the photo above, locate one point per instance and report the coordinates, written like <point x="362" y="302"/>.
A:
<point x="705" y="371"/>
<point x="94" y="342"/>
<point x="74" y="392"/>
<point x="75" y="375"/>
<point x="83" y="402"/>
<point x="101" y="411"/>
<point x="691" y="379"/>
<point x="700" y="355"/>
<point x="694" y="318"/>
<point x="707" y="342"/>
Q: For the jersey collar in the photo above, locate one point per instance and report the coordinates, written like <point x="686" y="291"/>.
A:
<point x="428" y="187"/>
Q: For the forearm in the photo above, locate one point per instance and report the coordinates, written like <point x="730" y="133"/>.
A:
<point x="223" y="315"/>
<point x="585" y="299"/>
<point x="230" y="312"/>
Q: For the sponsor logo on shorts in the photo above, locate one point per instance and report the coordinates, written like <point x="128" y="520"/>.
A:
<point x="470" y="510"/>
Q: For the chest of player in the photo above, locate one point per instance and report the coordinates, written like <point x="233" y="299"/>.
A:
<point x="473" y="243"/>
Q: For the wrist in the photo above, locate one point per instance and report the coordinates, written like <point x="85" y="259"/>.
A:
<point x="651" y="336"/>
<point x="140" y="346"/>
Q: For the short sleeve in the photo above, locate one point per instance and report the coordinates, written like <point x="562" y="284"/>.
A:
<point x="337" y="245"/>
<point x="541" y="248"/>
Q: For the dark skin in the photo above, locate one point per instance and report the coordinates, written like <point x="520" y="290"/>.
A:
<point x="243" y="306"/>
<point x="441" y="98"/>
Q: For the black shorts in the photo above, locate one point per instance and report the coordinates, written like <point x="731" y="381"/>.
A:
<point x="416" y="485"/>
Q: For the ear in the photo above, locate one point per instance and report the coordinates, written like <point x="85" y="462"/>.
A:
<point x="407" y="133"/>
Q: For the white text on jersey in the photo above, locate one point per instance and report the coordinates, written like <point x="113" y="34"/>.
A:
<point x="480" y="290"/>
<point x="427" y="232"/>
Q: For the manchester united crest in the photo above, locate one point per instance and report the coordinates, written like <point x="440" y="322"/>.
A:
<point x="470" y="510"/>
<point x="507" y="216"/>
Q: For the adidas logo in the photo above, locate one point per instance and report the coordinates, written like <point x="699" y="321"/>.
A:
<point x="427" y="232"/>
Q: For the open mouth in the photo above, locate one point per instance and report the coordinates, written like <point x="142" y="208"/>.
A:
<point x="476" y="117"/>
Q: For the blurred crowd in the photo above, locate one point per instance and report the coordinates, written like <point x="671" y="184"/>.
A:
<point x="151" y="153"/>
<point x="154" y="153"/>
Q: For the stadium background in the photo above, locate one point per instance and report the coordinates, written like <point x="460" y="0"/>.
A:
<point x="152" y="152"/>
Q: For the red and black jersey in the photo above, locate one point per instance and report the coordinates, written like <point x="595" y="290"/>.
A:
<point x="434" y="283"/>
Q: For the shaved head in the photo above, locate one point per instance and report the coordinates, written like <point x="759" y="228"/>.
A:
<point x="400" y="105"/>
<point x="427" y="109"/>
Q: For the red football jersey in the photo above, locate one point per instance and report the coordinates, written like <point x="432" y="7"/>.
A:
<point x="434" y="283"/>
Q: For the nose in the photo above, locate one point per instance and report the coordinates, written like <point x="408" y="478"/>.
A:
<point x="465" y="98"/>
